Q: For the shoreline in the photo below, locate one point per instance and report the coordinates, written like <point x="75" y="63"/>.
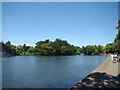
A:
<point x="104" y="76"/>
<point x="108" y="67"/>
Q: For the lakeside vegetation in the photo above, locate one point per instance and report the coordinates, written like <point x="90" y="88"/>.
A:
<point x="61" y="47"/>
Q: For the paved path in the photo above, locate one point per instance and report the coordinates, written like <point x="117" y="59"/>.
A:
<point x="105" y="76"/>
<point x="109" y="67"/>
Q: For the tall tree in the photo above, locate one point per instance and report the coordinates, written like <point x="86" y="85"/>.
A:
<point x="117" y="39"/>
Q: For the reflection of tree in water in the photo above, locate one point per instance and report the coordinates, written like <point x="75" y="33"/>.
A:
<point x="99" y="80"/>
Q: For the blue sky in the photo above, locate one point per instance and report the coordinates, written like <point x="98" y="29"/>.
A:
<point x="80" y="23"/>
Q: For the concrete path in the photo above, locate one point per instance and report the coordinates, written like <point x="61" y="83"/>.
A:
<point x="109" y="67"/>
<point x="107" y="75"/>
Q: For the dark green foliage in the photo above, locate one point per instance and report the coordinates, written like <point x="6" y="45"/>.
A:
<point x="109" y="48"/>
<point x="118" y="27"/>
<point x="34" y="51"/>
<point x="117" y="40"/>
<point x="92" y="50"/>
<point x="58" y="47"/>
<point x="79" y="50"/>
<point x="115" y="46"/>
<point x="19" y="51"/>
<point x="25" y="48"/>
<point x="8" y="49"/>
<point x="61" y="47"/>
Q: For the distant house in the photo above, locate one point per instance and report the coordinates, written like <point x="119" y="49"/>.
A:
<point x="22" y="46"/>
<point x="19" y="46"/>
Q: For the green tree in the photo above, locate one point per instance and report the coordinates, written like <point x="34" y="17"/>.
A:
<point x="8" y="43"/>
<point x="8" y="49"/>
<point x="99" y="50"/>
<point x="109" y="48"/>
<point x="58" y="47"/>
<point x="117" y="39"/>
<point x="78" y="49"/>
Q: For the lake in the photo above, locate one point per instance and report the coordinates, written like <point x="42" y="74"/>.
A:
<point x="47" y="71"/>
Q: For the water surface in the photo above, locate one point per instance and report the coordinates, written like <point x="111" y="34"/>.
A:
<point x="47" y="71"/>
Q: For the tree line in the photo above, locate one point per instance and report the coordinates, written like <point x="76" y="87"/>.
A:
<point x="61" y="47"/>
<point x="46" y="48"/>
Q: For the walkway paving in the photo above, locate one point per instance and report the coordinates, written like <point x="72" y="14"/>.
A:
<point x="109" y="67"/>
<point x="107" y="75"/>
